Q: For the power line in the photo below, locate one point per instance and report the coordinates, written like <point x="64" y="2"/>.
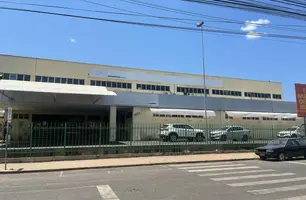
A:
<point x="258" y="6"/>
<point x="116" y="8"/>
<point x="153" y="25"/>
<point x="97" y="11"/>
<point x="213" y="18"/>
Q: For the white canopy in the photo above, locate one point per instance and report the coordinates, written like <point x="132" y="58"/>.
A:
<point x="160" y="111"/>
<point x="260" y="114"/>
<point x="56" y="88"/>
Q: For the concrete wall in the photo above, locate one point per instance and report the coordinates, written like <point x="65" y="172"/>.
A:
<point x="54" y="68"/>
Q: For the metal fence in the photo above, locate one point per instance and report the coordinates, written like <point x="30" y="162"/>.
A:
<point x="52" y="139"/>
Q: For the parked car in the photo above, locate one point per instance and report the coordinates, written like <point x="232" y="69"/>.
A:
<point x="230" y="133"/>
<point x="293" y="132"/>
<point x="173" y="132"/>
<point x="282" y="149"/>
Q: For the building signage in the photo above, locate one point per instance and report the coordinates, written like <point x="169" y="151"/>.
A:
<point x="153" y="77"/>
<point x="9" y="115"/>
<point x="300" y="91"/>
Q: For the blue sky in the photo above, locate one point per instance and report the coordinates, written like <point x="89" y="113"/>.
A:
<point x="35" y="35"/>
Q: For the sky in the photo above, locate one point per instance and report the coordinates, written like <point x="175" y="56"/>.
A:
<point x="81" y="40"/>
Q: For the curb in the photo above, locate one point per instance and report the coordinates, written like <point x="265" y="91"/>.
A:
<point x="119" y="166"/>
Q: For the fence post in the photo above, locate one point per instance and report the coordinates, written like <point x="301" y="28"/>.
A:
<point x="65" y="135"/>
<point x="100" y="135"/>
<point x="31" y="138"/>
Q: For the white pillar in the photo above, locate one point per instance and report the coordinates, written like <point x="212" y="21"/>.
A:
<point x="112" y="123"/>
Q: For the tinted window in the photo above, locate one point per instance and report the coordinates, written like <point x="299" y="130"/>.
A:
<point x="69" y="81"/>
<point x="51" y="80"/>
<point x="27" y="77"/>
<point x="82" y="82"/>
<point x="20" y="77"/>
<point x="76" y="81"/>
<point x="57" y="80"/>
<point x="38" y="78"/>
<point x="44" y="79"/>
<point x="64" y="80"/>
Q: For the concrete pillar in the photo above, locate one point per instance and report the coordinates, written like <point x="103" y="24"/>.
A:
<point x="112" y="123"/>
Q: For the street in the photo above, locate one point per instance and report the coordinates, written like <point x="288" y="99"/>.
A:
<point x="252" y="180"/>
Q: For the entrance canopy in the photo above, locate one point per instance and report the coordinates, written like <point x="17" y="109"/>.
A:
<point x="55" y="88"/>
<point x="261" y="114"/>
<point x="185" y="112"/>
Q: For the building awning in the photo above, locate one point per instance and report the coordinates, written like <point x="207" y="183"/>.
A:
<point x="184" y="112"/>
<point x="55" y="88"/>
<point x="261" y="114"/>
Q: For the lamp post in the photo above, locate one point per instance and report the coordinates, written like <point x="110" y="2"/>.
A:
<point x="200" y="25"/>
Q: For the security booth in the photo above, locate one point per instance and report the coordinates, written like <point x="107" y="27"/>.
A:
<point x="53" y="114"/>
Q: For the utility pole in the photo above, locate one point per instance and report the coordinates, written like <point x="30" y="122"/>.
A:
<point x="200" y="25"/>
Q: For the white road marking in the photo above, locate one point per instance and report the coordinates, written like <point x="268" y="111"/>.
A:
<point x="107" y="193"/>
<point x="212" y="166"/>
<point x="239" y="172"/>
<point x="296" y="198"/>
<point x="297" y="162"/>
<point x="251" y="176"/>
<point x="267" y="182"/>
<point x="196" y="164"/>
<point x="61" y="174"/>
<point x="278" y="189"/>
<point x="223" y="169"/>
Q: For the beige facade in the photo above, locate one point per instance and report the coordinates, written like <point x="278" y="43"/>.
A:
<point x="62" y="69"/>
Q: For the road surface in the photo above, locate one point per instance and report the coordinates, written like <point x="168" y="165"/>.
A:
<point x="240" y="180"/>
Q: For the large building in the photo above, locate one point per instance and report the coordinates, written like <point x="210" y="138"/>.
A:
<point x="52" y="90"/>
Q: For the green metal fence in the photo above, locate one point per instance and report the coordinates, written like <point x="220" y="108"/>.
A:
<point x="52" y="139"/>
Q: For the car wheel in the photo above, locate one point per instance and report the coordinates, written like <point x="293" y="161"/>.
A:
<point x="199" y="137"/>
<point x="281" y="157"/>
<point x="245" y="138"/>
<point x="294" y="136"/>
<point x="223" y="138"/>
<point x="173" y="137"/>
<point x="262" y="158"/>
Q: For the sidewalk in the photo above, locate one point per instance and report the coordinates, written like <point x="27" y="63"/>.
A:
<point x="121" y="162"/>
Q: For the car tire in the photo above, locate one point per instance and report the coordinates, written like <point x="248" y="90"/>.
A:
<point x="173" y="137"/>
<point x="262" y="158"/>
<point x="281" y="157"/>
<point x="223" y="138"/>
<point x="245" y="138"/>
<point x="199" y="137"/>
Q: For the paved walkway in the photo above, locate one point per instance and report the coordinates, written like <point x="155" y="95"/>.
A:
<point x="121" y="162"/>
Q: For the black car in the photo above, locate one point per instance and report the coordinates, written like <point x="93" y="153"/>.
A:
<point x="282" y="148"/>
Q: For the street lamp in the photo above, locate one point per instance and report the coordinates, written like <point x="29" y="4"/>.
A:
<point x="200" y="25"/>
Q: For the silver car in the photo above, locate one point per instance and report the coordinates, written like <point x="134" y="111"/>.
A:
<point x="230" y="133"/>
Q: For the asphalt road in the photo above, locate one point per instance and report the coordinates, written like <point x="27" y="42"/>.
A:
<point x="240" y="180"/>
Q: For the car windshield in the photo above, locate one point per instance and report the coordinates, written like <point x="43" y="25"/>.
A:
<point x="291" y="129"/>
<point x="223" y="128"/>
<point x="164" y="126"/>
<point x="278" y="142"/>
